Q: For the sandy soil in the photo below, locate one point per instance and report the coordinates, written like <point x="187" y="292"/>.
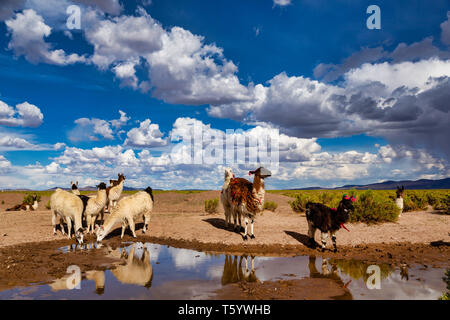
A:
<point x="179" y="220"/>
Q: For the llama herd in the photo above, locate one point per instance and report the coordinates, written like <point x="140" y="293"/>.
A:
<point x="240" y="199"/>
<point x="72" y="207"/>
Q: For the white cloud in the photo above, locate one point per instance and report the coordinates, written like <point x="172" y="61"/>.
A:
<point x="28" y="31"/>
<point x="7" y="141"/>
<point x="94" y="129"/>
<point x="406" y="103"/>
<point x="5" y="166"/>
<point x="182" y="69"/>
<point x="282" y="3"/>
<point x="24" y="115"/>
<point x="147" y="135"/>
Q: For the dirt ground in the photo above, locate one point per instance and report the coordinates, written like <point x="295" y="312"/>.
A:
<point x="179" y="220"/>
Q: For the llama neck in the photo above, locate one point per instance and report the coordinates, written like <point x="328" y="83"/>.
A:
<point x="340" y="213"/>
<point x="258" y="187"/>
<point x="226" y="182"/>
<point x="101" y="196"/>
<point x="109" y="222"/>
<point x="258" y="184"/>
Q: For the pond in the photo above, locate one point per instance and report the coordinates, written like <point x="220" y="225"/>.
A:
<point x="152" y="271"/>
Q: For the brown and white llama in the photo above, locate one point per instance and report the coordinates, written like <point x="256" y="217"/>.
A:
<point x="113" y="192"/>
<point x="246" y="198"/>
<point x="26" y="206"/>
<point x="399" y="200"/>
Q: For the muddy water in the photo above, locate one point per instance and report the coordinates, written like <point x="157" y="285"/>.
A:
<point x="151" y="271"/>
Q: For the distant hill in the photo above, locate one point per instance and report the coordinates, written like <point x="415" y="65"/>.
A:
<point x="389" y="185"/>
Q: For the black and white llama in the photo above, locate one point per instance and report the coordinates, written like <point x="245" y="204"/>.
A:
<point x="328" y="220"/>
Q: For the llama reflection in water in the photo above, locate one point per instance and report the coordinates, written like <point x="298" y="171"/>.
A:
<point x="138" y="269"/>
<point x="233" y="271"/>
<point x="332" y="274"/>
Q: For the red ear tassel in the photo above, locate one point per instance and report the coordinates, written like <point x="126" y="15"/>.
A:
<point x="353" y="199"/>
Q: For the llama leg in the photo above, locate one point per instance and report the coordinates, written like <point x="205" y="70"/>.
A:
<point x="93" y="220"/>
<point x="246" y="227"/>
<point x="69" y="227"/>
<point x="124" y="225"/>
<point x="311" y="234"/>
<point x="235" y="221"/>
<point x="54" y="217"/>
<point x="131" y="223"/>
<point x="252" y="236"/>
<point x="61" y="225"/>
<point x="146" y="222"/>
<point x="333" y="238"/>
<point x="324" y="237"/>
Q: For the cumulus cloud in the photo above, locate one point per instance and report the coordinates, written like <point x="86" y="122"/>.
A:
<point x="404" y="102"/>
<point x="95" y="129"/>
<point x="422" y="50"/>
<point x="23" y="115"/>
<point x="28" y="31"/>
<point x="14" y="143"/>
<point x="5" y="166"/>
<point x="182" y="68"/>
<point x="303" y="163"/>
<point x="147" y="135"/>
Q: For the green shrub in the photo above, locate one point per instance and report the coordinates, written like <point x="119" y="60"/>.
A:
<point x="48" y="205"/>
<point x="28" y="199"/>
<point x="211" y="205"/>
<point x="326" y="198"/>
<point x="374" y="207"/>
<point x="415" y="201"/>
<point x="299" y="204"/>
<point x="3" y="201"/>
<point x="270" y="205"/>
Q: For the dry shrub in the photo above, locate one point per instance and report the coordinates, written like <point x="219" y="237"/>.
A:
<point x="212" y="205"/>
<point x="270" y="205"/>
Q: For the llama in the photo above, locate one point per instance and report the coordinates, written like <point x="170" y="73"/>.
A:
<point x="399" y="200"/>
<point x="26" y="206"/>
<point x="233" y="271"/>
<point x="113" y="192"/>
<point x="140" y="203"/>
<point x="246" y="198"/>
<point x="68" y="207"/>
<point x="327" y="220"/>
<point x="225" y="203"/>
<point x="99" y="278"/>
<point x="75" y="188"/>
<point x="138" y="270"/>
<point x="93" y="206"/>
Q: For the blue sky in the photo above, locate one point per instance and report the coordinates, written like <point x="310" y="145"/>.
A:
<point x="352" y="105"/>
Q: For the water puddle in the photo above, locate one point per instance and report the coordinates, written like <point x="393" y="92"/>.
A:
<point x="152" y="271"/>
